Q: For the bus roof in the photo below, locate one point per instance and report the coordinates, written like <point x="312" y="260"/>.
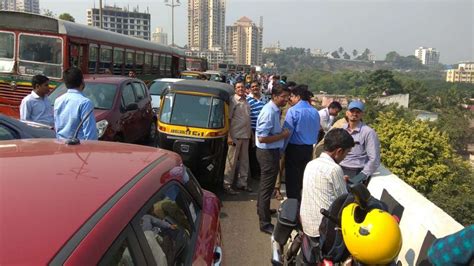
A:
<point x="33" y="22"/>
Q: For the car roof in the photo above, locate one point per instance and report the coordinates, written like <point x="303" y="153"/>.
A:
<point x="218" y="89"/>
<point x="168" y="79"/>
<point x="28" y="128"/>
<point x="112" y="79"/>
<point x="50" y="189"/>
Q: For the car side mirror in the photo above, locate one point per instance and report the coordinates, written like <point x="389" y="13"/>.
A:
<point x="131" y="107"/>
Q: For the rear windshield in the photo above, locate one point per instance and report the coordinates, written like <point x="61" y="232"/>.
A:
<point x="101" y="94"/>
<point x="157" y="87"/>
<point x="193" y="111"/>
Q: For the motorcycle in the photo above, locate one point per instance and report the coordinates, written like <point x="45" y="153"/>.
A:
<point x="356" y="227"/>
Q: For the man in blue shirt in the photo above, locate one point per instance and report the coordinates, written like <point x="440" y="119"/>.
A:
<point x="269" y="138"/>
<point x="256" y="102"/>
<point x="302" y="120"/>
<point x="73" y="107"/>
<point x="36" y="106"/>
<point x="364" y="158"/>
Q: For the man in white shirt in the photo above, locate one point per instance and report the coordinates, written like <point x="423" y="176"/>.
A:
<point x="328" y="114"/>
<point x="324" y="180"/>
<point x="36" y="106"/>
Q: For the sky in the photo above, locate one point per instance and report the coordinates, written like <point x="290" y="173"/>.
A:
<point x="380" y="25"/>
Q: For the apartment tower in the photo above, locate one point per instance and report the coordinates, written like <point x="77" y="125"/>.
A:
<point x="244" y="41"/>
<point x="206" y="25"/>
<point x="30" y="6"/>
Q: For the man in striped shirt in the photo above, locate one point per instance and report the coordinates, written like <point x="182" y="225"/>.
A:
<point x="256" y="101"/>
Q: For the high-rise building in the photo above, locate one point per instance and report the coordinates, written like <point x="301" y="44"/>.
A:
<point x="159" y="36"/>
<point x="30" y="6"/>
<point x="464" y="73"/>
<point x="206" y="25"/>
<point x="427" y="56"/>
<point x="116" y="19"/>
<point x="244" y="41"/>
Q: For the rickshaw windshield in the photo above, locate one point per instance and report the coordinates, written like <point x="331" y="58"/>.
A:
<point x="193" y="111"/>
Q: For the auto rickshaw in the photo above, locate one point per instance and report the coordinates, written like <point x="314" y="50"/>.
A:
<point x="194" y="122"/>
<point x="193" y="75"/>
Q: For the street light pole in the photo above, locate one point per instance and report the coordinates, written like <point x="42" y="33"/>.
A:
<point x="172" y="5"/>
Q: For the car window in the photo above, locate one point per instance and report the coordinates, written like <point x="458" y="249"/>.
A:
<point x="102" y="95"/>
<point x="128" y="96"/>
<point x="139" y="92"/>
<point x="158" y="86"/>
<point x="124" y="251"/>
<point x="168" y="225"/>
<point x="6" y="133"/>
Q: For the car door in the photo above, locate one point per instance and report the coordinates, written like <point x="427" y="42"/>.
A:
<point x="166" y="226"/>
<point x="129" y="118"/>
<point x="125" y="250"/>
<point x="144" y="116"/>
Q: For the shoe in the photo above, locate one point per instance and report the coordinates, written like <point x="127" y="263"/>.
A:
<point x="277" y="194"/>
<point x="230" y="191"/>
<point x="245" y="188"/>
<point x="268" y="228"/>
<point x="273" y="211"/>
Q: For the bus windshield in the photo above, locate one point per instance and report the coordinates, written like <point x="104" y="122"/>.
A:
<point x="193" y="110"/>
<point x="40" y="55"/>
<point x="7" y="44"/>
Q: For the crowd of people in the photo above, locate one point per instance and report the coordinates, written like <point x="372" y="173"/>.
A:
<point x="275" y="133"/>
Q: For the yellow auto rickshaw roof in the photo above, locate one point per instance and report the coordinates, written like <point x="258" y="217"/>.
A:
<point x="217" y="89"/>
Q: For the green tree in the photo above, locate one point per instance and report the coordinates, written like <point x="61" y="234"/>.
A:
<point x="346" y="56"/>
<point x="422" y="156"/>
<point x="382" y="82"/>
<point x="354" y="53"/>
<point x="335" y="54"/>
<point x="392" y="56"/>
<point x="48" y="13"/>
<point x="364" y="55"/>
<point x="67" y="16"/>
<point x="340" y="50"/>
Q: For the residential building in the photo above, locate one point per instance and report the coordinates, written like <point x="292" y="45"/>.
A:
<point x="206" y="25"/>
<point x="317" y="52"/>
<point x="213" y="57"/>
<point x="272" y="49"/>
<point x="464" y="73"/>
<point x="244" y="41"/>
<point x="30" y="6"/>
<point x="121" y="20"/>
<point x="159" y="36"/>
<point x="427" y="56"/>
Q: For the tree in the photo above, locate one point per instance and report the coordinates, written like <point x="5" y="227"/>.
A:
<point x="422" y="156"/>
<point x="340" y="50"/>
<point x="67" y="16"/>
<point x="364" y="55"/>
<point x="346" y="56"/>
<point x="354" y="53"/>
<point x="382" y="82"/>
<point x="335" y="54"/>
<point x="48" y="13"/>
<point x="392" y="56"/>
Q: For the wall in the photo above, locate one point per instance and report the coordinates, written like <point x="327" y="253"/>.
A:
<point x="421" y="221"/>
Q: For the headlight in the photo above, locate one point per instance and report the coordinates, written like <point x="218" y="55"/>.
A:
<point x="101" y="127"/>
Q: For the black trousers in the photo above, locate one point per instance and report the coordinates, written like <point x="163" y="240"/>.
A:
<point x="253" y="162"/>
<point x="269" y="162"/>
<point x="296" y="158"/>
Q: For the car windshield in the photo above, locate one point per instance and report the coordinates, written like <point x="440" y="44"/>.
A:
<point x="193" y="110"/>
<point x="101" y="94"/>
<point x="157" y="87"/>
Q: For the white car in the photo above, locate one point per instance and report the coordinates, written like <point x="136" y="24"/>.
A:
<point x="156" y="88"/>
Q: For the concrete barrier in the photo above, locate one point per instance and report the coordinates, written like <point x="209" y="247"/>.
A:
<point x="421" y="222"/>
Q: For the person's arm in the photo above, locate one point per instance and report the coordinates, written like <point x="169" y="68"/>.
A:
<point x="339" y="182"/>
<point x="265" y="126"/>
<point x="269" y="139"/>
<point x="25" y="110"/>
<point x="372" y="148"/>
<point x="89" y="127"/>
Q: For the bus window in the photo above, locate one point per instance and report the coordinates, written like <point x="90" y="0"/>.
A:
<point x="118" y="61"/>
<point x="93" y="54"/>
<point x="156" y="63"/>
<point x="7" y="44"/>
<point x="140" y="58"/>
<point x="168" y="65"/>
<point x="105" y="58"/>
<point x="129" y="60"/>
<point x="163" y="66"/>
<point x="147" y="68"/>
<point x="40" y="55"/>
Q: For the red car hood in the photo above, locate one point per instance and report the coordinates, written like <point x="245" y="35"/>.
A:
<point x="100" y="114"/>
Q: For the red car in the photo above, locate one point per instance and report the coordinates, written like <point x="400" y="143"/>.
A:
<point x="103" y="203"/>
<point x="122" y="107"/>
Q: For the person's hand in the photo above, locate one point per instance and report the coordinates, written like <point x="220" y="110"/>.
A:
<point x="346" y="178"/>
<point x="285" y="133"/>
<point x="173" y="226"/>
<point x="230" y="141"/>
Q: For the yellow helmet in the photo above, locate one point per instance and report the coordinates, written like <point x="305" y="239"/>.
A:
<point x="373" y="239"/>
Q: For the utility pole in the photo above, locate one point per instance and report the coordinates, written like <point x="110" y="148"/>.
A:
<point x="173" y="4"/>
<point x="100" y="13"/>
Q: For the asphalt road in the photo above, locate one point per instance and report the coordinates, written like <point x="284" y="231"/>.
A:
<point x="243" y="243"/>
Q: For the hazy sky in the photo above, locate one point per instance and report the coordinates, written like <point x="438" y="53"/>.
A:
<point x="380" y="25"/>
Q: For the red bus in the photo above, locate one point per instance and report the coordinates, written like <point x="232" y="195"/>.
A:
<point x="196" y="64"/>
<point x="32" y="44"/>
